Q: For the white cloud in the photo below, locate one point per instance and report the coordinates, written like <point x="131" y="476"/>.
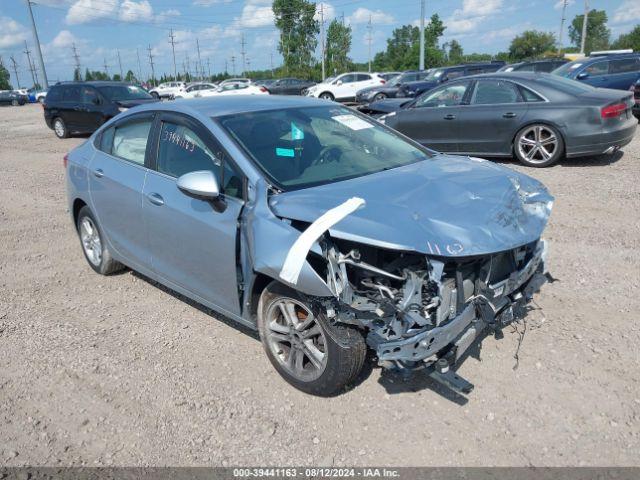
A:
<point x="362" y="15"/>
<point x="328" y="11"/>
<point x="256" y="13"/>
<point x="627" y="12"/>
<point x="208" y="3"/>
<point x="559" y="3"/>
<point x="131" y="11"/>
<point x="473" y="13"/>
<point x="166" y="15"/>
<point x="472" y="8"/>
<point x="64" y="39"/>
<point x="85" y="11"/>
<point x="11" y="32"/>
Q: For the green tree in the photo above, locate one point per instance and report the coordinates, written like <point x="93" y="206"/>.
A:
<point x="531" y="44"/>
<point x="77" y="75"/>
<point x="338" y="47"/>
<point x="87" y="75"/>
<point x="4" y="77"/>
<point x="597" y="32"/>
<point x="130" y="76"/>
<point x="629" y="40"/>
<point x="116" y="77"/>
<point x="298" y="30"/>
<point x="456" y="54"/>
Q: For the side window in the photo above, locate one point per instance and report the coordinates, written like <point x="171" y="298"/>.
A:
<point x="54" y="95"/>
<point x="106" y="140"/>
<point x="90" y="96"/>
<point x="182" y="151"/>
<point x="543" y="67"/>
<point x="422" y="75"/>
<point x="625" y="65"/>
<point x="489" y="92"/>
<point x="444" y="97"/>
<point x="348" y="78"/>
<point x="361" y="77"/>
<point x="71" y="93"/>
<point x="130" y="140"/>
<point x="599" y="68"/>
<point x="530" y="96"/>
<point x="457" y="73"/>
<point x="527" y="67"/>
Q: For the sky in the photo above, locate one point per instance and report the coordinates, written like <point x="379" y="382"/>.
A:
<point x="102" y="28"/>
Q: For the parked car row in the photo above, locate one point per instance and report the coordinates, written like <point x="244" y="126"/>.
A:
<point x="12" y="97"/>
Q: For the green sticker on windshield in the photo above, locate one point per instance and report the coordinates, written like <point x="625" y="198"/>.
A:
<point x="285" y="152"/>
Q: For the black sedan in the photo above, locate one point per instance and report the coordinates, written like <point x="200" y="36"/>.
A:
<point x="9" y="97"/>
<point x="391" y="88"/>
<point x="288" y="86"/>
<point x="537" y="117"/>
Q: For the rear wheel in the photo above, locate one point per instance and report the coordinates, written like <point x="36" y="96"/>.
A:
<point x="310" y="353"/>
<point x="538" y="145"/>
<point x="93" y="246"/>
<point x="15" y="103"/>
<point x="60" y="128"/>
<point x="327" y="96"/>
<point x="379" y="96"/>
<point x="155" y="95"/>
<point x="41" y="100"/>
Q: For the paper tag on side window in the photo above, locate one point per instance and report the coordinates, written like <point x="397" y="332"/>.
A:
<point x="353" y="122"/>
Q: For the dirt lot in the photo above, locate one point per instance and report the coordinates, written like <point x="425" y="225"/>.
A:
<point x="118" y="371"/>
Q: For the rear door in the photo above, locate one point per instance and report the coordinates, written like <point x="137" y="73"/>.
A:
<point x="92" y="104"/>
<point x="193" y="241"/>
<point x="70" y="106"/>
<point x="433" y="120"/>
<point x="117" y="174"/>
<point x="488" y="124"/>
<point x="623" y="72"/>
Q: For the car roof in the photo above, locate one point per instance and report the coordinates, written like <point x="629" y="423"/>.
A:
<point x="229" y="105"/>
<point x="609" y="56"/>
<point x="95" y="83"/>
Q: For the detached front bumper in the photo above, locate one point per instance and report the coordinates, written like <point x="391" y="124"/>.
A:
<point x="502" y="303"/>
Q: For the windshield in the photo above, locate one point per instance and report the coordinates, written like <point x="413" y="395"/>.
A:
<point x="434" y="74"/>
<point x="303" y="147"/>
<point x="124" y="92"/>
<point x="567" y="69"/>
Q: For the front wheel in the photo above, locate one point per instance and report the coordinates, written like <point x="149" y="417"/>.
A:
<point x="155" y="95"/>
<point x="538" y="145"/>
<point x="306" y="350"/>
<point x="327" y="96"/>
<point x="379" y="96"/>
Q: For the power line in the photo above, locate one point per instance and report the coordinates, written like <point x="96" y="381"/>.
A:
<point x="15" y="69"/>
<point x="37" y="41"/>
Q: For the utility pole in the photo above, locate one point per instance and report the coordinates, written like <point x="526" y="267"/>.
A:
<point x="153" y="73"/>
<point x="272" y="74"/>
<point x="322" y="40"/>
<point x="421" y="63"/>
<point x="208" y="69"/>
<point x="76" y="58"/>
<point x="233" y="64"/>
<point x="564" y="10"/>
<point x="106" y="68"/>
<point x="31" y="68"/>
<point x="243" y="53"/>
<point x="226" y="67"/>
<point x="120" y="65"/>
<point x="188" y="65"/>
<point x="199" y="68"/>
<point x="139" y="68"/>
<point x="15" y="69"/>
<point x="173" y="50"/>
<point x="584" y="25"/>
<point x="38" y="50"/>
<point x="369" y="39"/>
<point x="248" y="65"/>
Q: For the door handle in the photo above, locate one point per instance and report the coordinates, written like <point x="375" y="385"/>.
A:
<point x="156" y="199"/>
<point x="98" y="173"/>
<point x="509" y="115"/>
<point x="449" y="116"/>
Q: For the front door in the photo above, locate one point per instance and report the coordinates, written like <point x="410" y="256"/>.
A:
<point x="90" y="115"/>
<point x="433" y="119"/>
<point x="492" y="118"/>
<point x="193" y="241"/>
<point x="116" y="179"/>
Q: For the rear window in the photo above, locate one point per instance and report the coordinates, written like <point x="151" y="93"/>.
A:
<point x="71" y="93"/>
<point x="54" y="94"/>
<point x="625" y="65"/>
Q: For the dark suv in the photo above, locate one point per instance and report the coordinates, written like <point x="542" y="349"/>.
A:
<point x="440" y="75"/>
<point x="81" y="107"/>
<point x="547" y="65"/>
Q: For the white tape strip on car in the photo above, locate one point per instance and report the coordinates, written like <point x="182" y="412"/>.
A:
<point x="298" y="252"/>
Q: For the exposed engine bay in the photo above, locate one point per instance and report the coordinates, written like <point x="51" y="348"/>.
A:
<point x="416" y="308"/>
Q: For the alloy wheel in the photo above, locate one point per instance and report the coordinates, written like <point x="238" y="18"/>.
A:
<point x="58" y="127"/>
<point x="91" y="241"/>
<point x="538" y="144"/>
<point x="296" y="339"/>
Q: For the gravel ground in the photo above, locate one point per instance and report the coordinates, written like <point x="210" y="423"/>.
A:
<point x="119" y="371"/>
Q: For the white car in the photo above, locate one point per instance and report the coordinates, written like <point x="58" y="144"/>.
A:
<point x="195" y="90"/>
<point x="344" y="87"/>
<point x="235" y="80"/>
<point x="167" y="89"/>
<point x="237" y="88"/>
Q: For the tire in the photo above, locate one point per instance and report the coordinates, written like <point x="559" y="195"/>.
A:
<point x="92" y="242"/>
<point x="41" y="100"/>
<point x="538" y="145"/>
<point x="343" y="348"/>
<point x="155" y="95"/>
<point x="60" y="128"/>
<point x="380" y="96"/>
<point x="326" y="96"/>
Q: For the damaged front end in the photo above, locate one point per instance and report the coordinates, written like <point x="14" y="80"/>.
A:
<point x="416" y="308"/>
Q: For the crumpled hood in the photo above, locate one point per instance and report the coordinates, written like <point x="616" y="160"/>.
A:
<point x="449" y="206"/>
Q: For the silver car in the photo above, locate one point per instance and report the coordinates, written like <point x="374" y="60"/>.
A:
<point x="328" y="232"/>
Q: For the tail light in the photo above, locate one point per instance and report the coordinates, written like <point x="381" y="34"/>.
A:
<point x="613" y="111"/>
<point x="65" y="160"/>
<point x="382" y="81"/>
<point x="264" y="90"/>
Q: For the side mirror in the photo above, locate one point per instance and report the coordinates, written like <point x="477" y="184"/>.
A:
<point x="200" y="184"/>
<point x="582" y="76"/>
<point x="338" y="82"/>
